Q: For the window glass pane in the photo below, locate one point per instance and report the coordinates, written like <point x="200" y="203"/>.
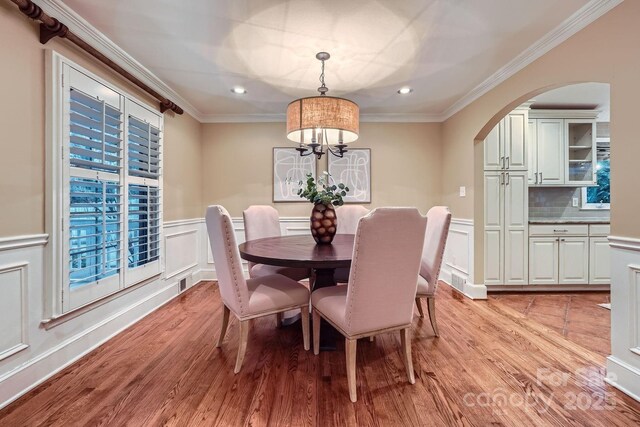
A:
<point x="601" y="193"/>
<point x="94" y="230"/>
<point x="144" y="225"/>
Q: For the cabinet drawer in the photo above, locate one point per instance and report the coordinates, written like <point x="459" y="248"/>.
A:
<point x="602" y="230"/>
<point x="559" y="230"/>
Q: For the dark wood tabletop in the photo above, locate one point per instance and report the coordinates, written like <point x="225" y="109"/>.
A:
<point x="299" y="251"/>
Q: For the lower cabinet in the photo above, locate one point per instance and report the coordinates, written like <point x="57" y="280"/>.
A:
<point x="573" y="261"/>
<point x="599" y="261"/>
<point x="559" y="260"/>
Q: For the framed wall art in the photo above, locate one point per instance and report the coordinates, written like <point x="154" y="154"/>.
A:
<point x="354" y="170"/>
<point x="288" y="169"/>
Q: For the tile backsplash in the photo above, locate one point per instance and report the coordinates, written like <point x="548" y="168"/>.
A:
<point x="557" y="203"/>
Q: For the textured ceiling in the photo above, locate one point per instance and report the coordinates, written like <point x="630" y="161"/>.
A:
<point x="441" y="48"/>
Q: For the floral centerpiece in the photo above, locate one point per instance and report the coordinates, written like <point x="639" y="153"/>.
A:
<point x="324" y="197"/>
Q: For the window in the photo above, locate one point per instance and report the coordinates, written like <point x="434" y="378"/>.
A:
<point x="109" y="189"/>
<point x="599" y="197"/>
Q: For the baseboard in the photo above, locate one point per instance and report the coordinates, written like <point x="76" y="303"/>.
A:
<point x="47" y="364"/>
<point x="623" y="376"/>
<point x="548" y="288"/>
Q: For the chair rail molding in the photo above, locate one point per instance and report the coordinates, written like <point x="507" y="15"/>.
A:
<point x="623" y="365"/>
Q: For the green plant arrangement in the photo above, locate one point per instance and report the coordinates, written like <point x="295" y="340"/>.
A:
<point x="323" y="195"/>
<point x="322" y="191"/>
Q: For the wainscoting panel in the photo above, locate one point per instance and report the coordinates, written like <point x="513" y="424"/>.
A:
<point x="181" y="251"/>
<point x="623" y="366"/>
<point x="457" y="264"/>
<point x="13" y="309"/>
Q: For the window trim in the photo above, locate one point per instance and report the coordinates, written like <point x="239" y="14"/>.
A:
<point x="56" y="286"/>
<point x="592" y="206"/>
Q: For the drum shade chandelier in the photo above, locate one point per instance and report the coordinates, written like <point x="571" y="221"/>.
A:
<point x="323" y="122"/>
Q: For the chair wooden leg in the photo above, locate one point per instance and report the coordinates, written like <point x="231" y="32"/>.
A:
<point x="279" y="317"/>
<point x="305" y="326"/>
<point x="405" y="336"/>
<point x="242" y="344"/>
<point x="350" y="350"/>
<point x="431" y="307"/>
<point x="316" y="332"/>
<point x="225" y="323"/>
<point x="419" y="304"/>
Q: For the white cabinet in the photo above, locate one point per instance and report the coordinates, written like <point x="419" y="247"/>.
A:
<point x="506" y="228"/>
<point x="573" y="261"/>
<point x="580" y="152"/>
<point x="599" y="261"/>
<point x="561" y="147"/>
<point x="547" y="149"/>
<point x="543" y="260"/>
<point x="569" y="254"/>
<point x="505" y="148"/>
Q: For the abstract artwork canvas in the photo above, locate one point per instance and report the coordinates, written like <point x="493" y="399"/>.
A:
<point x="354" y="170"/>
<point x="288" y="169"/>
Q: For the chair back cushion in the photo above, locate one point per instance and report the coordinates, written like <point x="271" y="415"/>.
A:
<point x="384" y="270"/>
<point x="260" y="221"/>
<point x="435" y="239"/>
<point x="348" y="217"/>
<point x="226" y="256"/>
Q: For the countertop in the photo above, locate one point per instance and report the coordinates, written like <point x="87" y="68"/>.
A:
<point x="569" y="221"/>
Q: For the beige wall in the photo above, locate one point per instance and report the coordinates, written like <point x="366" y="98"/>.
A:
<point x="22" y="120"/>
<point x="606" y="51"/>
<point x="237" y="164"/>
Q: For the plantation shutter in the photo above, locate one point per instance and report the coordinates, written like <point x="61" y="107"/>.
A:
<point x="94" y="224"/>
<point x="144" y="193"/>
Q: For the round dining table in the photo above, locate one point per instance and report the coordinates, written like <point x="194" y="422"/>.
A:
<point x="302" y="251"/>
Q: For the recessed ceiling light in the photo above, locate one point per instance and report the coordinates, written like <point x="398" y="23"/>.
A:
<point x="238" y="90"/>
<point x="405" y="90"/>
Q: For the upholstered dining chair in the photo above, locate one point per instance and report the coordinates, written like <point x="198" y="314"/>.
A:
<point x="435" y="240"/>
<point x="251" y="298"/>
<point x="348" y="217"/>
<point x="382" y="285"/>
<point x="262" y="221"/>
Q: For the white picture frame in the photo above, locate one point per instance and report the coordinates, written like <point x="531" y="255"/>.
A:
<point x="354" y="171"/>
<point x="289" y="168"/>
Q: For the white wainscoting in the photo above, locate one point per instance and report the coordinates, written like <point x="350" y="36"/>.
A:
<point x="30" y="353"/>
<point x="457" y="265"/>
<point x="623" y="366"/>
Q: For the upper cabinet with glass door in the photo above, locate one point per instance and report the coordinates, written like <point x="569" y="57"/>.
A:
<point x="580" y="151"/>
<point x="562" y="148"/>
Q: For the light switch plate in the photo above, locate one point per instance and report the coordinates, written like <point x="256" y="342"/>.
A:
<point x="463" y="191"/>
<point x="575" y="202"/>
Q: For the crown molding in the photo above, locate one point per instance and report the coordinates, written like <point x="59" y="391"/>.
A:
<point x="104" y="45"/>
<point x="563" y="114"/>
<point x="570" y="26"/>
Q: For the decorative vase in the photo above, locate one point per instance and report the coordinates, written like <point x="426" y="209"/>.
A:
<point x="323" y="223"/>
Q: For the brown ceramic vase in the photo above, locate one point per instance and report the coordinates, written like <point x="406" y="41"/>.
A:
<point x="323" y="223"/>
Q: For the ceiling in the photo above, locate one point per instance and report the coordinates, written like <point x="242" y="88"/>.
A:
<point x="443" y="49"/>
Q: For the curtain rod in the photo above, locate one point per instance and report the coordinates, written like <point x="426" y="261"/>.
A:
<point x="50" y="27"/>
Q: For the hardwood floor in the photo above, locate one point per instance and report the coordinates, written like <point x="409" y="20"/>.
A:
<point x="491" y="365"/>
<point x="576" y="316"/>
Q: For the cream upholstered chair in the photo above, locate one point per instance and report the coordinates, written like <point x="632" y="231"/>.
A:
<point x="435" y="240"/>
<point x="248" y="299"/>
<point x="382" y="285"/>
<point x="262" y="221"/>
<point x="348" y="217"/>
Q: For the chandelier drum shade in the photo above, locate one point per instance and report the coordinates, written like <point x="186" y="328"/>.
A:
<point x="323" y="121"/>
